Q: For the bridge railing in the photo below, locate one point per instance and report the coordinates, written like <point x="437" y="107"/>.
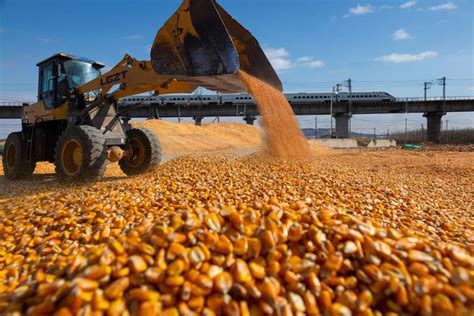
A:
<point x="420" y="99"/>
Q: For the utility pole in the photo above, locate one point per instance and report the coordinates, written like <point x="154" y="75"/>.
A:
<point x="335" y="91"/>
<point x="330" y="111"/>
<point x="348" y="84"/>
<point x="444" y="88"/>
<point x="442" y="82"/>
<point x="315" y="127"/>
<point x="406" y="130"/>
<point x="446" y="131"/>
<point x="375" y="133"/>
<point x="422" y="132"/>
<point x="427" y="86"/>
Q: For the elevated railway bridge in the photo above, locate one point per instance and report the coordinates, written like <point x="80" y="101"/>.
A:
<point x="431" y="108"/>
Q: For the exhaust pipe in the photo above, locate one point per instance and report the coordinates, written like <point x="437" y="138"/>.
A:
<point x="202" y="44"/>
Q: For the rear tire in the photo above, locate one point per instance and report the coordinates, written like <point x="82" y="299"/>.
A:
<point x="14" y="161"/>
<point x="81" y="153"/>
<point x="146" y="152"/>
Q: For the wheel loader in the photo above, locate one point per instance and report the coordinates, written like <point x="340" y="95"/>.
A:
<point x="76" y="123"/>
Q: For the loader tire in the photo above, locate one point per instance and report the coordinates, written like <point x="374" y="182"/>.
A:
<point x="146" y="152"/>
<point x="81" y="154"/>
<point x="14" y="161"/>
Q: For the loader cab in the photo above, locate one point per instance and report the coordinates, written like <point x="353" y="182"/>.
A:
<point x="61" y="73"/>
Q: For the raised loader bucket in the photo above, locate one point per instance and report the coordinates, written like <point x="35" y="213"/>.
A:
<point x="202" y="44"/>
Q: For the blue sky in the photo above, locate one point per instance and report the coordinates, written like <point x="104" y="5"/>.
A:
<point x="392" y="46"/>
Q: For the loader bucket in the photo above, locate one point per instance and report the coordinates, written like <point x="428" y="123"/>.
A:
<point x="202" y="44"/>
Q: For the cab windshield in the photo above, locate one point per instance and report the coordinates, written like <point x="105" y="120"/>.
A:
<point x="74" y="73"/>
<point x="78" y="72"/>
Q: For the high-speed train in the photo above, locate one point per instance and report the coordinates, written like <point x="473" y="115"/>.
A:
<point x="216" y="99"/>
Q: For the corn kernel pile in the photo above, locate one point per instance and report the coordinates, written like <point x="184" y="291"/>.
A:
<point x="376" y="233"/>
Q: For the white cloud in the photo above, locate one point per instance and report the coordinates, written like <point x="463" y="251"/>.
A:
<point x="305" y="59"/>
<point x="401" y="34"/>
<point x="445" y="6"/>
<point x="134" y="37"/>
<point x="279" y="58"/>
<point x="407" y="58"/>
<point x="408" y="4"/>
<point x="310" y="62"/>
<point x="360" y="10"/>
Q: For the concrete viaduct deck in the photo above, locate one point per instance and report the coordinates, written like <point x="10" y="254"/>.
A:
<point x="432" y="108"/>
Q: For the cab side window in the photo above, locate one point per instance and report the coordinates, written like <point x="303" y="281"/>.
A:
<point x="47" y="86"/>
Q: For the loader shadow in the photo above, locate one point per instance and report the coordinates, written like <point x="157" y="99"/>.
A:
<point x="44" y="183"/>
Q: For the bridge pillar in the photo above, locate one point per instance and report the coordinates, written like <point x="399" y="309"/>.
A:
<point x="250" y="119"/>
<point x="342" y="125"/>
<point x="433" y="130"/>
<point x="198" y="120"/>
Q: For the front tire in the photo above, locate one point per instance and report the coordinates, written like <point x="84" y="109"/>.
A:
<point x="14" y="158"/>
<point x="81" y="153"/>
<point x="145" y="153"/>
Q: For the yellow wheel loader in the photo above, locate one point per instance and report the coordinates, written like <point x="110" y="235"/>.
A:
<point x="76" y="123"/>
